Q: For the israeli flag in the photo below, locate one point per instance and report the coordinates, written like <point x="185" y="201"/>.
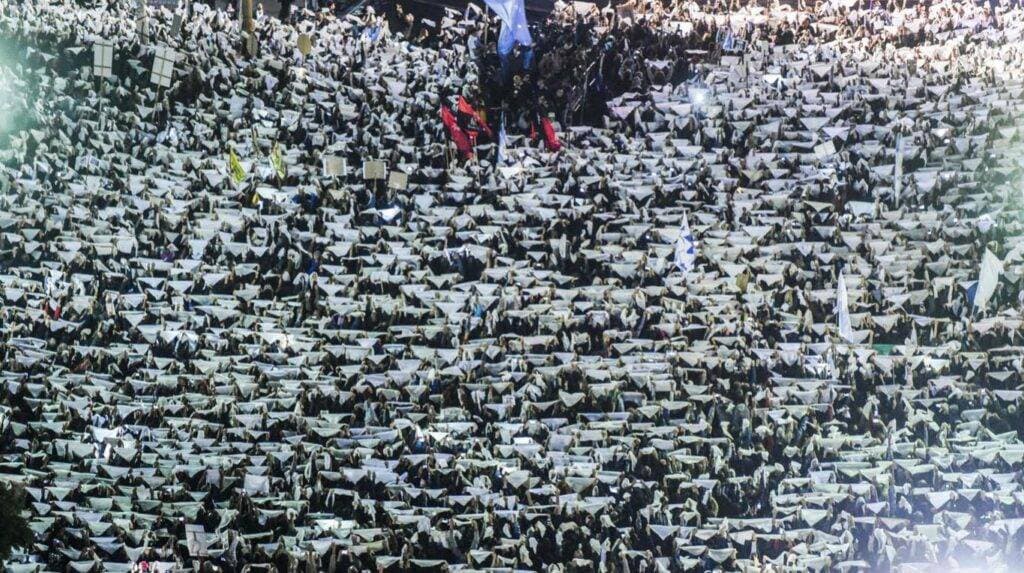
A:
<point x="686" y="248"/>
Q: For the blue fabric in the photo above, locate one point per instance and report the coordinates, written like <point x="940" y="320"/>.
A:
<point x="730" y="41"/>
<point x="506" y="68"/>
<point x="514" y="28"/>
<point x="528" y="58"/>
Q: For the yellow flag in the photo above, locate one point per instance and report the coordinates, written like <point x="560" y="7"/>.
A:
<point x="277" y="162"/>
<point x="305" y="44"/>
<point x="235" y="167"/>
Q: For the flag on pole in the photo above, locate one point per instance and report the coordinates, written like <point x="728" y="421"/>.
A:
<point x="514" y="29"/>
<point x="843" y="310"/>
<point x="550" y="137"/>
<point x="988" y="278"/>
<point x="459" y="136"/>
<point x="686" y="248"/>
<point x="466" y="108"/>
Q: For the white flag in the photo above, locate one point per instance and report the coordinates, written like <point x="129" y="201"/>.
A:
<point x="502" y="142"/>
<point x="988" y="278"/>
<point x="897" y="180"/>
<point x="843" y="309"/>
<point x="686" y="248"/>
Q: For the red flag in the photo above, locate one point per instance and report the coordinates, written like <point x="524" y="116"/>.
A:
<point x="467" y="109"/>
<point x="462" y="141"/>
<point x="550" y="137"/>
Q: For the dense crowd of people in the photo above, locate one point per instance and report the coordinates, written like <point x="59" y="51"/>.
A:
<point x="728" y="287"/>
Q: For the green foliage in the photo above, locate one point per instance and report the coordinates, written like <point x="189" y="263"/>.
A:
<point x="14" y="530"/>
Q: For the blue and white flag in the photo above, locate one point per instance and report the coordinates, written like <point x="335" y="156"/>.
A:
<point x="730" y="41"/>
<point x="372" y="33"/>
<point x="897" y="178"/>
<point x="686" y="248"/>
<point x="843" y="310"/>
<point x="988" y="278"/>
<point x="502" y="142"/>
<point x="514" y="28"/>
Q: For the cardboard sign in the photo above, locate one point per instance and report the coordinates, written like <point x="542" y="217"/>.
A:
<point x="375" y="169"/>
<point x="176" y="24"/>
<point x="163" y="66"/>
<point x="398" y="180"/>
<point x="335" y="166"/>
<point x="102" y="59"/>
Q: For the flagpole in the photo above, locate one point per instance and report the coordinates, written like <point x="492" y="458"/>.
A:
<point x="248" y="28"/>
